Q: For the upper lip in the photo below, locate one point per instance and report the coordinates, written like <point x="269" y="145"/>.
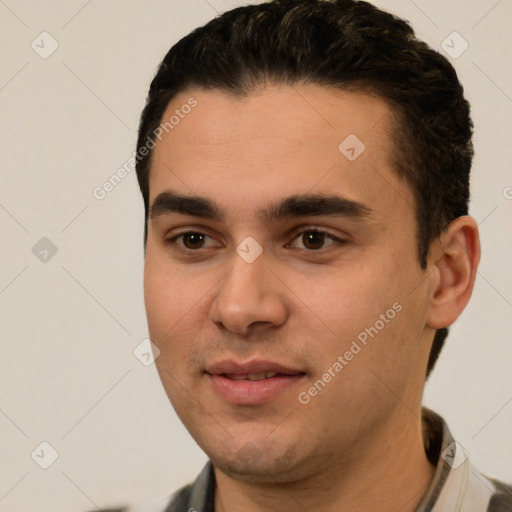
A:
<point x="230" y="367"/>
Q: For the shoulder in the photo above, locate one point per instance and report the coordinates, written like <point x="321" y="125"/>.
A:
<point x="485" y="494"/>
<point x="180" y="499"/>
<point x="501" y="499"/>
<point x="195" y="497"/>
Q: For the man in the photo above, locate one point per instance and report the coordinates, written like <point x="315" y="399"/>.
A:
<point x="305" y="173"/>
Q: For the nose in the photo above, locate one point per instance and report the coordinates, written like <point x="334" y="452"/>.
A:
<point x="249" y="297"/>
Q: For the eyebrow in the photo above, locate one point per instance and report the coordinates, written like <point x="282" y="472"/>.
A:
<point x="290" y="207"/>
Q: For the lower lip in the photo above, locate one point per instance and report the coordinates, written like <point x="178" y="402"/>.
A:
<point x="252" y="392"/>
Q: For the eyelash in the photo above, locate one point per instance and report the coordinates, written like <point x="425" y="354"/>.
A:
<point x="172" y="241"/>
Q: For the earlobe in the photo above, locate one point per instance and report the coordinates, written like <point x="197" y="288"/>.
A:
<point x="455" y="259"/>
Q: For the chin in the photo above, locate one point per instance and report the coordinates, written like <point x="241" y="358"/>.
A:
<point x="267" y="466"/>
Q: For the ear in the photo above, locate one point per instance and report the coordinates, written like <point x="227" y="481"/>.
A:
<point x="452" y="263"/>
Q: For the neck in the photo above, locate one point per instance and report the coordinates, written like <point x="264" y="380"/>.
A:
<point x="390" y="470"/>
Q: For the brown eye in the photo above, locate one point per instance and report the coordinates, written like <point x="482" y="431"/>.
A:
<point x="313" y="240"/>
<point x="193" y="240"/>
<point x="190" y="242"/>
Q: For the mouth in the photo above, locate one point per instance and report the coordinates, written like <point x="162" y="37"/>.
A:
<point x="251" y="383"/>
<point x="251" y="376"/>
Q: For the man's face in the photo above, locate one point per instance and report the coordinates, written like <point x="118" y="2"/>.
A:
<point x="292" y="339"/>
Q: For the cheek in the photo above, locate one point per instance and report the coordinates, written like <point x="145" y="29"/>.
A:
<point x="175" y="311"/>
<point x="164" y="292"/>
<point x="164" y="303"/>
<point x="371" y="306"/>
<point x="353" y="297"/>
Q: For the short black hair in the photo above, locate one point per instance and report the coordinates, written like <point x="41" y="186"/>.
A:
<point x="343" y="44"/>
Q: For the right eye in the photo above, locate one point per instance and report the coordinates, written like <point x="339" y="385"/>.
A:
<point x="190" y="241"/>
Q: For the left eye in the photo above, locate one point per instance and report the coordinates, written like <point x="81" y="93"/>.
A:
<point x="314" y="240"/>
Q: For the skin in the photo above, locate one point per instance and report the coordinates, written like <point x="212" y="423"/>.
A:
<point x="357" y="444"/>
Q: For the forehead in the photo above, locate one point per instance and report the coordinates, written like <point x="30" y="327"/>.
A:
<point x="276" y="142"/>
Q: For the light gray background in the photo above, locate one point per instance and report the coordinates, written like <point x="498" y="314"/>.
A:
<point x="70" y="324"/>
